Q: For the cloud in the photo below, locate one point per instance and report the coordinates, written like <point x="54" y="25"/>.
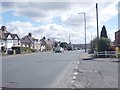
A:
<point x="38" y="11"/>
<point x="20" y="28"/>
<point x="45" y="11"/>
<point x="71" y="22"/>
<point x="7" y="5"/>
<point x="111" y="34"/>
<point x="58" y="32"/>
<point x="108" y="12"/>
<point x="74" y="20"/>
<point x="50" y="5"/>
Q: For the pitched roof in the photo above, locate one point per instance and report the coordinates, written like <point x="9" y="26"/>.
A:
<point x="28" y="40"/>
<point x="45" y="42"/>
<point x="117" y="31"/>
<point x="15" y="35"/>
<point x="4" y="34"/>
<point x="32" y="39"/>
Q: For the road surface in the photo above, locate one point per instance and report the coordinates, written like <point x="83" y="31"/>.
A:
<point x="38" y="70"/>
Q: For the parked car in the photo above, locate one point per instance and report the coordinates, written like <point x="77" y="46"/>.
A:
<point x="59" y="50"/>
<point x="9" y="51"/>
<point x="75" y="48"/>
<point x="90" y="51"/>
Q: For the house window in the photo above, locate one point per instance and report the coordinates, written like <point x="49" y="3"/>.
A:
<point x="1" y="42"/>
<point x="9" y="41"/>
<point x="15" y="41"/>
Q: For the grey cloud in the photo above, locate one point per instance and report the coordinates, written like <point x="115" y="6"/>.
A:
<point x="32" y="13"/>
<point x="8" y="4"/>
<point x="35" y="10"/>
<point x="51" y="5"/>
<point x="40" y="5"/>
<point x="12" y="28"/>
<point x="38" y="31"/>
<point x="74" y="20"/>
<point x="104" y="4"/>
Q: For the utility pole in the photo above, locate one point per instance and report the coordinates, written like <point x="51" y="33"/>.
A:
<point x="85" y="29"/>
<point x="97" y="21"/>
<point x="91" y="41"/>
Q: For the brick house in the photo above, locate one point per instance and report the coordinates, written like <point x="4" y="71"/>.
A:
<point x="46" y="44"/>
<point x="31" y="42"/>
<point x="117" y="38"/>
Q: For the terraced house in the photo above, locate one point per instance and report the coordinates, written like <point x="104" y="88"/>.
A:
<point x="30" y="42"/>
<point x="8" y="40"/>
<point x="117" y="38"/>
<point x="46" y="44"/>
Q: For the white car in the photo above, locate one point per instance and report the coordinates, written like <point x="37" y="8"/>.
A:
<point x="59" y="50"/>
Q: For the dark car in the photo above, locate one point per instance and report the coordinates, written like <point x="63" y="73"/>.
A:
<point x="90" y="51"/>
<point x="10" y="51"/>
<point x="69" y="48"/>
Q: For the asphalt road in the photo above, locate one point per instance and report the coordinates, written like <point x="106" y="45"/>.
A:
<point x="39" y="70"/>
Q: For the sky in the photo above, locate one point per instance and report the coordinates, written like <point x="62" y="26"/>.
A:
<point x="59" y="20"/>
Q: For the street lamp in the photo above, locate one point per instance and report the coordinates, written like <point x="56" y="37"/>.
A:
<point x="84" y="26"/>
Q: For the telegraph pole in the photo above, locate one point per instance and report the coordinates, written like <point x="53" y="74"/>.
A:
<point x="91" y="41"/>
<point x="85" y="29"/>
<point x="97" y="21"/>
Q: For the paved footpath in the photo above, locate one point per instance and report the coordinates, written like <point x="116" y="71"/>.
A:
<point x="93" y="73"/>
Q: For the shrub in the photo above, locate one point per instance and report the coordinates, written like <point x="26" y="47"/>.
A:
<point x="103" y="44"/>
<point x="118" y="54"/>
<point x="33" y="50"/>
<point x="25" y="50"/>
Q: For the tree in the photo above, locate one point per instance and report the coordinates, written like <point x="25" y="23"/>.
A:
<point x="63" y="45"/>
<point x="104" y="32"/>
<point x="103" y="44"/>
<point x="93" y="44"/>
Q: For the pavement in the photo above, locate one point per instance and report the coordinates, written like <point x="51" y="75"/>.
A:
<point x="86" y="56"/>
<point x="93" y="73"/>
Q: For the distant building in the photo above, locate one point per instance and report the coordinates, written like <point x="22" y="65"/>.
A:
<point x="46" y="44"/>
<point x="117" y="38"/>
<point x="82" y="46"/>
<point x="31" y="42"/>
<point x="7" y="39"/>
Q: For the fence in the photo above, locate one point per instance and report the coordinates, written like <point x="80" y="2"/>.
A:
<point x="105" y="53"/>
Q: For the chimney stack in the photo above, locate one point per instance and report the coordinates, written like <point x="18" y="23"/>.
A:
<point x="3" y="28"/>
<point x="29" y="34"/>
<point x="44" y="38"/>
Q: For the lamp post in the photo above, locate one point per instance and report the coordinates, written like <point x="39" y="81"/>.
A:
<point x="84" y="26"/>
